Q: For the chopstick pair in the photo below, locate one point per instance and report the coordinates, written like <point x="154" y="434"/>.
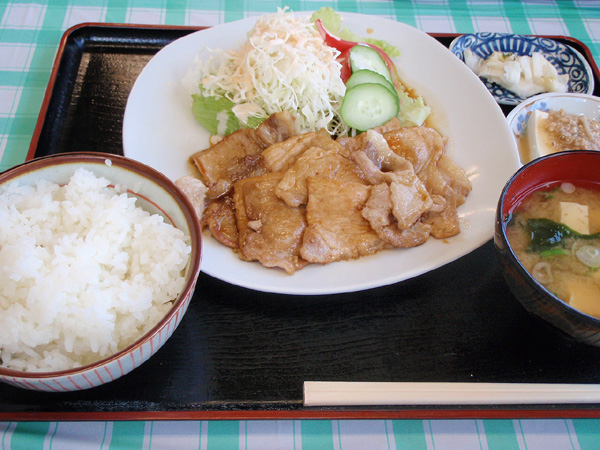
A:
<point x="326" y="393"/>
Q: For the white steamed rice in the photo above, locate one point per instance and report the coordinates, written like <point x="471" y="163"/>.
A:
<point x="84" y="272"/>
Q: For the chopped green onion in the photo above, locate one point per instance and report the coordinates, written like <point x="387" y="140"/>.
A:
<point x="589" y="255"/>
<point x="554" y="252"/>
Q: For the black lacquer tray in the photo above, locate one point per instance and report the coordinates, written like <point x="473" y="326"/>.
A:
<point x="239" y="353"/>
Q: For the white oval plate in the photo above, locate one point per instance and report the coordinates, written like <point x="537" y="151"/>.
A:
<point x="159" y="130"/>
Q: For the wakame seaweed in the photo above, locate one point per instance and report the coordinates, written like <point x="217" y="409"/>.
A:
<point x="547" y="234"/>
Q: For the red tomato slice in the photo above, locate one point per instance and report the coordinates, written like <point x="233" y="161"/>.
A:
<point x="344" y="47"/>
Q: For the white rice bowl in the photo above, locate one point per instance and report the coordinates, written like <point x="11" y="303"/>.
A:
<point x="84" y="272"/>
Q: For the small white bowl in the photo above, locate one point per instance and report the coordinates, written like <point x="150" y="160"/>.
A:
<point x="587" y="105"/>
<point x="582" y="104"/>
<point x="156" y="194"/>
<point x="563" y="57"/>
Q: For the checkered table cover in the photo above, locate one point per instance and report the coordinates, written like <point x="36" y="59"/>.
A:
<point x="30" y="33"/>
<point x="29" y="36"/>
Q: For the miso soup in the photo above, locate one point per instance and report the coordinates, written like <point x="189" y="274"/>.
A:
<point x="555" y="233"/>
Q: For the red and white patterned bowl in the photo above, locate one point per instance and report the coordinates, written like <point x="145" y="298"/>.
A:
<point x="155" y="193"/>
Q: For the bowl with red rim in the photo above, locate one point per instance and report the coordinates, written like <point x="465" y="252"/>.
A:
<point x="160" y="198"/>
<point x="580" y="168"/>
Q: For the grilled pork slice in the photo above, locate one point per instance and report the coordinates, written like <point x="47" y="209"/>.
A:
<point x="282" y="155"/>
<point x="359" y="142"/>
<point x="396" y="180"/>
<point x="421" y="146"/>
<point x="269" y="230"/>
<point x="456" y="178"/>
<point x="444" y="223"/>
<point x="410" y="200"/>
<point x="277" y="128"/>
<point x="219" y="218"/>
<point x="449" y="181"/>
<point x="424" y="185"/>
<point x="316" y="162"/>
<point x="378" y="211"/>
<point x="336" y="230"/>
<point x="238" y="155"/>
<point x="195" y="191"/>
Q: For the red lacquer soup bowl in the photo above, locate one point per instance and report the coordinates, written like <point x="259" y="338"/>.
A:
<point x="581" y="168"/>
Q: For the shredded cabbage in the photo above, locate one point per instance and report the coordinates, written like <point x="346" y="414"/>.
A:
<point x="283" y="65"/>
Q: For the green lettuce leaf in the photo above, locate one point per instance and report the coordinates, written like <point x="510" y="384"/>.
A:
<point x="211" y="111"/>
<point x="331" y="20"/>
<point x="413" y="111"/>
<point x="254" y="121"/>
<point x="333" y="23"/>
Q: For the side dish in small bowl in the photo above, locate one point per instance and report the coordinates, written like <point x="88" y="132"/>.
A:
<point x="99" y="257"/>
<point x="514" y="67"/>
<point x="554" y="122"/>
<point x="547" y="236"/>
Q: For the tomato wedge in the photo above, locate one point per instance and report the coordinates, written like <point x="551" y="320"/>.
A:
<point x="344" y="47"/>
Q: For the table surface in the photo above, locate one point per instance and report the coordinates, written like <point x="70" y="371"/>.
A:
<point x="29" y="37"/>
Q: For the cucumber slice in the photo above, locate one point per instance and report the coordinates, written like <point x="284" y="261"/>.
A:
<point x="363" y="57"/>
<point x="368" y="105"/>
<point x="368" y="76"/>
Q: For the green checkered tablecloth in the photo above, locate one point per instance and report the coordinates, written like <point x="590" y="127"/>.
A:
<point x="29" y="37"/>
<point x="30" y="33"/>
<point x="556" y="434"/>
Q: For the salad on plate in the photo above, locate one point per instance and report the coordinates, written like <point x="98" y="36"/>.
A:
<point x="298" y="64"/>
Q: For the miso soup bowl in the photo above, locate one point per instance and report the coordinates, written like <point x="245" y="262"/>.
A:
<point x="155" y="193"/>
<point x="579" y="166"/>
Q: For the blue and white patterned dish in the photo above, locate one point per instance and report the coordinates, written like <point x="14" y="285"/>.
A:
<point x="566" y="59"/>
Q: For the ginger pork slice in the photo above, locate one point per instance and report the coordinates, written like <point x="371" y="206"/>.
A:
<point x="336" y="229"/>
<point x="280" y="156"/>
<point x="269" y="230"/>
<point x="195" y="191"/>
<point x="219" y="218"/>
<point x="239" y="155"/>
<point x="444" y="223"/>
<point x="316" y="162"/>
<point x="449" y="181"/>
<point x="421" y="146"/>
<point x="378" y="211"/>
<point x="233" y="158"/>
